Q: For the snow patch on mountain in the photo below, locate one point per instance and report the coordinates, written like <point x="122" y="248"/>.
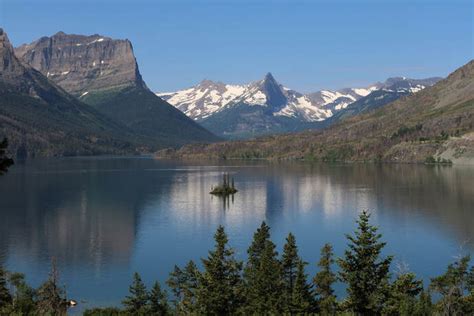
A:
<point x="209" y="97"/>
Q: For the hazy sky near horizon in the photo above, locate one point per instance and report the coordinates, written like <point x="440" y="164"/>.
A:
<point x="307" y="45"/>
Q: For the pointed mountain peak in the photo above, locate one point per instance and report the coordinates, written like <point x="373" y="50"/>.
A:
<point x="4" y="41"/>
<point x="206" y="83"/>
<point x="60" y="33"/>
<point x="269" y="76"/>
<point x="8" y="61"/>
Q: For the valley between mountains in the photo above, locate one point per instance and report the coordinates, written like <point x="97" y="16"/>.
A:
<point x="69" y="95"/>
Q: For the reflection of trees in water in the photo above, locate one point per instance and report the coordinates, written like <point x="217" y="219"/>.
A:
<point x="88" y="210"/>
<point x="437" y="192"/>
<point x="84" y="211"/>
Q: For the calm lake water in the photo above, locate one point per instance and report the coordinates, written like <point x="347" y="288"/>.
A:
<point x="104" y="218"/>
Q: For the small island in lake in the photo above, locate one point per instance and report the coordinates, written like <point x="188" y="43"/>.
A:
<point x="226" y="188"/>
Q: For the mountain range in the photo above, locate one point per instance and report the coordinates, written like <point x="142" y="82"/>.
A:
<point x="268" y="107"/>
<point x="93" y="100"/>
<point x="432" y="125"/>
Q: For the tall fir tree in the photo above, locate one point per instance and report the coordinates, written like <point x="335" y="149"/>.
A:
<point x="423" y="306"/>
<point x="176" y="284"/>
<point x="263" y="282"/>
<point x="324" y="281"/>
<point x="402" y="295"/>
<point x="220" y="282"/>
<point x="190" y="287"/>
<point x="158" y="301"/>
<point x="23" y="294"/>
<point x="302" y="298"/>
<point x="5" y="162"/>
<point x="5" y="296"/>
<point x="452" y="286"/>
<point x="51" y="297"/>
<point x="136" y="302"/>
<point x="289" y="263"/>
<point x="364" y="271"/>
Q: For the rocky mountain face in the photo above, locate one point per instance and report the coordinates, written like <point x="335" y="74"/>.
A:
<point x="83" y="64"/>
<point x="431" y="125"/>
<point x="266" y="106"/>
<point x="103" y="73"/>
<point x="41" y="119"/>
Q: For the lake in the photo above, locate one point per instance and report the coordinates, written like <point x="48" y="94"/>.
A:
<point x="104" y="218"/>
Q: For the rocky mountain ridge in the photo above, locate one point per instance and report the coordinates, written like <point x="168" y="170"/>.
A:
<point x="433" y="125"/>
<point x="283" y="109"/>
<point x="103" y="73"/>
<point x="83" y="64"/>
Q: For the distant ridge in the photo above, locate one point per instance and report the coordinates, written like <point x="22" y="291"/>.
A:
<point x="267" y="107"/>
<point x="428" y="126"/>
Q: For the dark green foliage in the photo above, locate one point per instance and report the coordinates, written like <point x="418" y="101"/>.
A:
<point x="136" y="302"/>
<point x="342" y="153"/>
<point x="5" y="162"/>
<point x="176" y="283"/>
<point x="5" y="296"/>
<point x="297" y="293"/>
<point x="269" y="286"/>
<point x="226" y="188"/>
<point x="324" y="281"/>
<point x="302" y="300"/>
<point x="402" y="295"/>
<point x="184" y="285"/>
<point x="107" y="311"/>
<point x="452" y="286"/>
<point x="364" y="271"/>
<point x="219" y="283"/>
<point x="404" y="131"/>
<point x="51" y="298"/>
<point x="23" y="295"/>
<point x="289" y="264"/>
<point x="423" y="306"/>
<point x="158" y="301"/>
<point x="263" y="284"/>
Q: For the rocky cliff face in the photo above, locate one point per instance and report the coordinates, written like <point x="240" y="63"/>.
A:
<point x="41" y="119"/>
<point x="83" y="64"/>
<point x="103" y="73"/>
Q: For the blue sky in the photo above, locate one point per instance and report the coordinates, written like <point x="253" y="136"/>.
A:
<point x="307" y="45"/>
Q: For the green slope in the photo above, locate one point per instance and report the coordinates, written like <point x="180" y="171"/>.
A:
<point x="148" y="116"/>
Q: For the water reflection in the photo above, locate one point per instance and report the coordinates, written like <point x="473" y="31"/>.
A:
<point x="103" y="218"/>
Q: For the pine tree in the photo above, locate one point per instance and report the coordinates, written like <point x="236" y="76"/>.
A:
<point x="5" y="296"/>
<point x="364" y="271"/>
<point x="323" y="282"/>
<point x="402" y="295"/>
<point x="136" y="302"/>
<point x="219" y="285"/>
<point x="5" y="162"/>
<point x="23" y="294"/>
<point x="302" y="299"/>
<point x="263" y="283"/>
<point x="289" y="263"/>
<point x="423" y="306"/>
<point x="51" y="298"/>
<point x="176" y="283"/>
<point x="452" y="286"/>
<point x="158" y="302"/>
<point x="190" y="286"/>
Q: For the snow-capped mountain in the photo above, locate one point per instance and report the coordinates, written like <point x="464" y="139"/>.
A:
<point x="209" y="97"/>
<point x="266" y="106"/>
